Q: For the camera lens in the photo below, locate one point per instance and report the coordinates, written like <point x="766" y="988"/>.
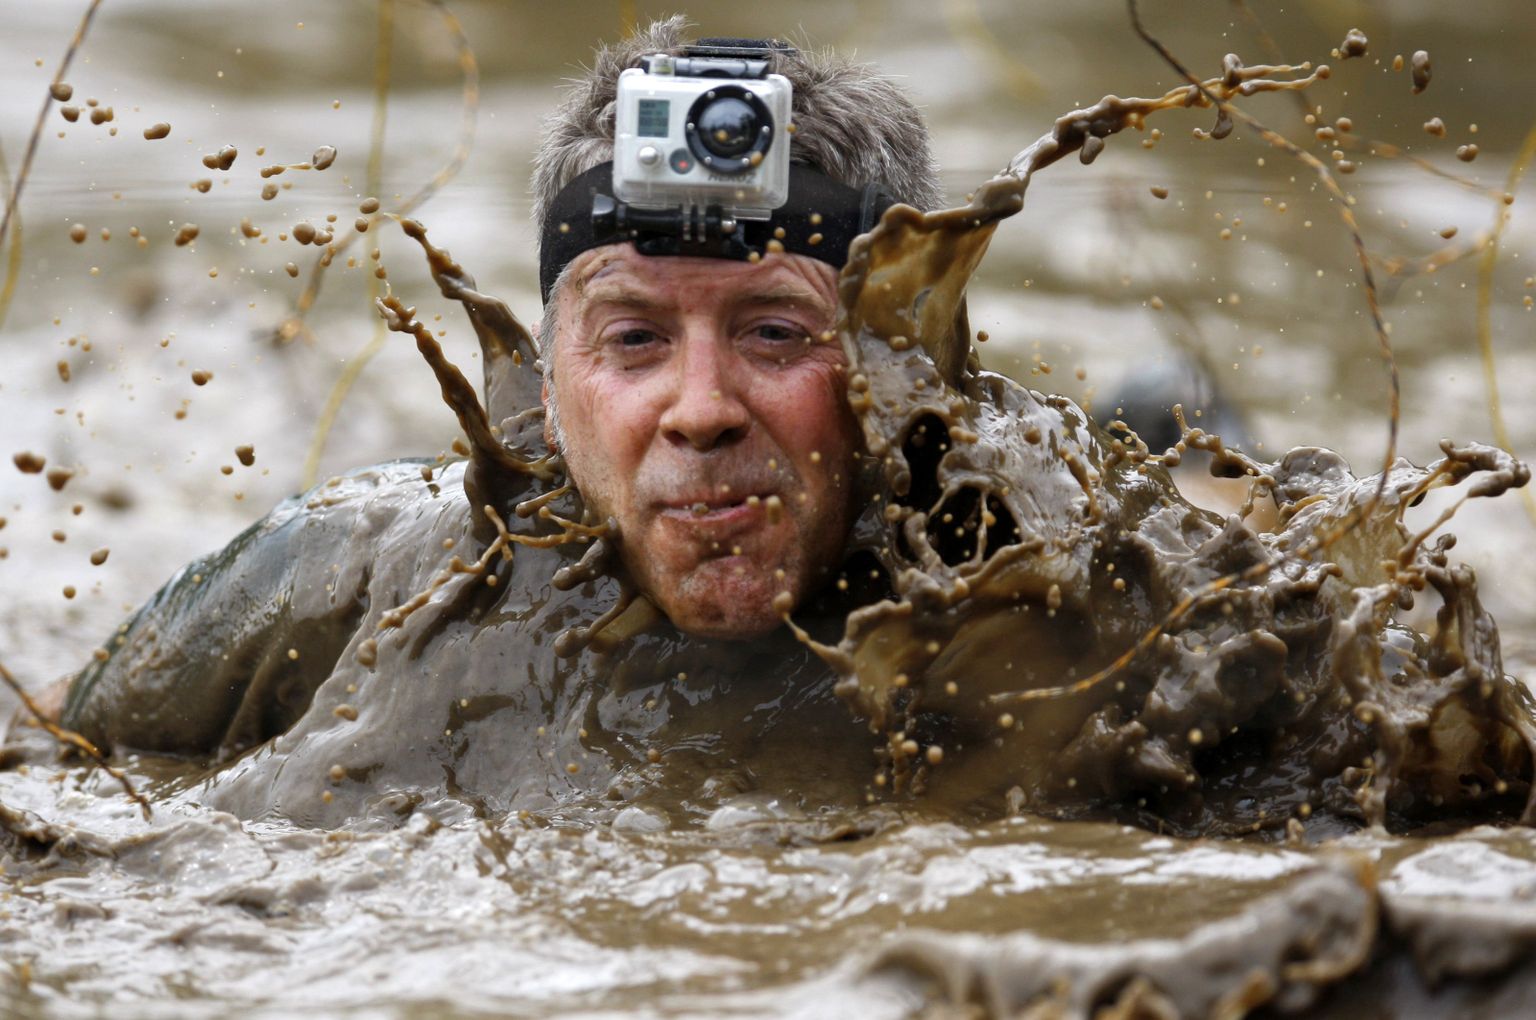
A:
<point x="728" y="127"/>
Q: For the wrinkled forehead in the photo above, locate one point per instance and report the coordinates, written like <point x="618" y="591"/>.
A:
<point x="620" y="272"/>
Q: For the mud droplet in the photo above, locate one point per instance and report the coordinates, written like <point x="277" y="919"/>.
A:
<point x="201" y="377"/>
<point x="100" y="556"/>
<point x="1466" y="153"/>
<point x="368" y="652"/>
<point x="59" y="477"/>
<point x="1158" y="191"/>
<point x="268" y="192"/>
<point x="1435" y="126"/>
<point x="323" y="157"/>
<point x="1355" y="44"/>
<point x="1421" y="71"/>
<point x="368" y="206"/>
<point x="304" y="232"/>
<point x="70" y="113"/>
<point x="101" y="114"/>
<point x="246" y="455"/>
<point x="202" y="184"/>
<point x="346" y="712"/>
<point x="77" y="233"/>
<point x="249" y="229"/>
<point x="69" y="591"/>
<point x="187" y="234"/>
<point x="221" y="160"/>
<point x="61" y="91"/>
<point x="1448" y="232"/>
<point x="28" y="463"/>
<point x="63" y="368"/>
<point x="291" y="269"/>
<point x="1397" y="62"/>
<point x="155" y="132"/>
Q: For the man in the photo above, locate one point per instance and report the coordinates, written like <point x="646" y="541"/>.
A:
<point x="690" y="394"/>
<point x="336" y="661"/>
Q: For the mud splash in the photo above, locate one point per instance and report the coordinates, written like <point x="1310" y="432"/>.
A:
<point x="1088" y="637"/>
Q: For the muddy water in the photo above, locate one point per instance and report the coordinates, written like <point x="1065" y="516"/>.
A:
<point x="749" y="917"/>
<point x="742" y="871"/>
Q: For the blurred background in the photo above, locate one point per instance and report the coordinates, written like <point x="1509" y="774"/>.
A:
<point x="1240" y="289"/>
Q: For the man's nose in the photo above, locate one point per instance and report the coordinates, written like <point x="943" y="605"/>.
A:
<point x="706" y="411"/>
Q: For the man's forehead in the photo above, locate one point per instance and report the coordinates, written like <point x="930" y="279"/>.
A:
<point x="621" y="268"/>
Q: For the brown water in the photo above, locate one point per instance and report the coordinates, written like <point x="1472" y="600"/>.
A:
<point x="723" y="877"/>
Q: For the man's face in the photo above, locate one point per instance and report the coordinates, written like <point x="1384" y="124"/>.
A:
<point x="696" y="398"/>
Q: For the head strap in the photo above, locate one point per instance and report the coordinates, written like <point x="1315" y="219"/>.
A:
<point x="820" y="220"/>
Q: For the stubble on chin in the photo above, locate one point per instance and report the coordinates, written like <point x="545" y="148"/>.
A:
<point x="715" y="594"/>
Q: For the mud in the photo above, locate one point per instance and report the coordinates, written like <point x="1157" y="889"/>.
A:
<point x="756" y="914"/>
<point x="1199" y="673"/>
<point x="421" y="692"/>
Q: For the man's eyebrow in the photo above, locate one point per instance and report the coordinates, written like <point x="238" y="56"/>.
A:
<point x="618" y="292"/>
<point x="784" y="294"/>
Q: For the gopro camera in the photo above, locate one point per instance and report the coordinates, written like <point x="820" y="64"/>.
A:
<point x="703" y="130"/>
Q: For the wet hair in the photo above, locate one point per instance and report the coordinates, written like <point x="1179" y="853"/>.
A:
<point x="852" y="123"/>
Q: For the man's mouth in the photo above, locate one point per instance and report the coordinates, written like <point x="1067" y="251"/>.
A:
<point x="717" y="516"/>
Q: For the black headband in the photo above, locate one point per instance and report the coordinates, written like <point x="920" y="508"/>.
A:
<point x="820" y="220"/>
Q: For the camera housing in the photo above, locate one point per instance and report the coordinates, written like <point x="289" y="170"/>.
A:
<point x="692" y="132"/>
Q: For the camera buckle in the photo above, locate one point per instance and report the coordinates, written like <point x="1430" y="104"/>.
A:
<point x="707" y="231"/>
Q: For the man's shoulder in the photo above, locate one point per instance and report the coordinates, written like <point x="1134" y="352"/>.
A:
<point x="298" y="577"/>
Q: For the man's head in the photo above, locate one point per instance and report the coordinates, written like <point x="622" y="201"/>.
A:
<point x="699" y="401"/>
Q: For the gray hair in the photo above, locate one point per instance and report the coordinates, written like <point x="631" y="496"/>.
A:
<point x="852" y="123"/>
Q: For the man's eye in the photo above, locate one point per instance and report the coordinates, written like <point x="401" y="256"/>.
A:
<point x="636" y="337"/>
<point x="778" y="333"/>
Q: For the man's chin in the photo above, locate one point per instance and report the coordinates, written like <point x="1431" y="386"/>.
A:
<point x="721" y="599"/>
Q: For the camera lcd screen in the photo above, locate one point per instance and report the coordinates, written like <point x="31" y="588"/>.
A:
<point x="653" y="118"/>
